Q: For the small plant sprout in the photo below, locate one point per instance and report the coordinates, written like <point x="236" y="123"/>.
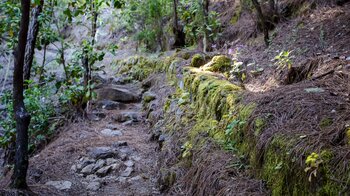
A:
<point x="284" y="59"/>
<point x="313" y="161"/>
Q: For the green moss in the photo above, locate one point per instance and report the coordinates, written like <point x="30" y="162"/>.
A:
<point x="197" y="60"/>
<point x="326" y="122"/>
<point x="259" y="125"/>
<point x="148" y="97"/>
<point x="220" y="63"/>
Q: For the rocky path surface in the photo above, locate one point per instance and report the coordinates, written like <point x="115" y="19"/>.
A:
<point x="109" y="154"/>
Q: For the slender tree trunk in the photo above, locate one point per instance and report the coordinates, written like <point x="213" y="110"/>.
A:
<point x="262" y="21"/>
<point x="206" y="21"/>
<point x="93" y="22"/>
<point x="41" y="71"/>
<point x="21" y="115"/>
<point x="31" y="40"/>
<point x="180" y="38"/>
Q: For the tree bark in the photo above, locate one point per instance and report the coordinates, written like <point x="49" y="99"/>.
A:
<point x="22" y="117"/>
<point x="42" y="68"/>
<point x="262" y="21"/>
<point x="206" y="21"/>
<point x="31" y="40"/>
<point x="93" y="22"/>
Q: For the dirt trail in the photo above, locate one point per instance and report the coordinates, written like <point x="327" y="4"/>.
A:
<point x="99" y="157"/>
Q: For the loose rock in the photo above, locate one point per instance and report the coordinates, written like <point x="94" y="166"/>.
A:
<point x="110" y="161"/>
<point x="103" y="171"/>
<point x="93" y="186"/>
<point x="136" y="178"/>
<point x="109" y="132"/>
<point x="60" y="185"/>
<point x="99" y="164"/>
<point x="117" y="94"/>
<point x="116" y="166"/>
<point x="88" y="169"/>
<point x="102" y="153"/>
<point x="120" y="144"/>
<point x="127" y="172"/>
<point x="129" y="163"/>
<point x="110" y="105"/>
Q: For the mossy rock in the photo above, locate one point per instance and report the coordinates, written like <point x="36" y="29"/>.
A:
<point x="197" y="60"/>
<point x="148" y="97"/>
<point x="219" y="63"/>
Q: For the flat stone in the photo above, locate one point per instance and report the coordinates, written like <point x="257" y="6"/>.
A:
<point x="127" y="172"/>
<point x="84" y="161"/>
<point x="99" y="164"/>
<point x="136" y="178"/>
<point x="111" y="133"/>
<point x="125" y="150"/>
<point x="116" y="166"/>
<point x="93" y="186"/>
<point x="115" y="93"/>
<point x="92" y="178"/>
<point x="74" y="168"/>
<point x="112" y="126"/>
<point x="88" y="169"/>
<point x="129" y="163"/>
<point x="348" y="58"/>
<point x="127" y="116"/>
<point x="60" y="185"/>
<point x="110" y="105"/>
<point x="110" y="161"/>
<point x="102" y="152"/>
<point x="103" y="171"/>
<point x="120" y="144"/>
<point x="122" y="179"/>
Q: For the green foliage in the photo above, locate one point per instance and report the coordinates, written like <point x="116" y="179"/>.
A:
<point x="196" y="26"/>
<point x="232" y="128"/>
<point x="39" y="103"/>
<point x="9" y="21"/>
<point x="313" y="161"/>
<point x="74" y="93"/>
<point x="146" y="18"/>
<point x="283" y="60"/>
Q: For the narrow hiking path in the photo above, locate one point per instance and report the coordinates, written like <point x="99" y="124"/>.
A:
<point x="108" y="154"/>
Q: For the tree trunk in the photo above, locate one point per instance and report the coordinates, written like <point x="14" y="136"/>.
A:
<point x="262" y="21"/>
<point x="180" y="37"/>
<point x="93" y="22"/>
<point x="42" y="68"/>
<point x="21" y="115"/>
<point x="31" y="40"/>
<point x="206" y="22"/>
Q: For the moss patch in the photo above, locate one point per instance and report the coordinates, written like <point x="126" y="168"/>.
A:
<point x="220" y="63"/>
<point x="197" y="60"/>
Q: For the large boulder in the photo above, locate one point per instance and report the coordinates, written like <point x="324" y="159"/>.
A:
<point x="115" y="93"/>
